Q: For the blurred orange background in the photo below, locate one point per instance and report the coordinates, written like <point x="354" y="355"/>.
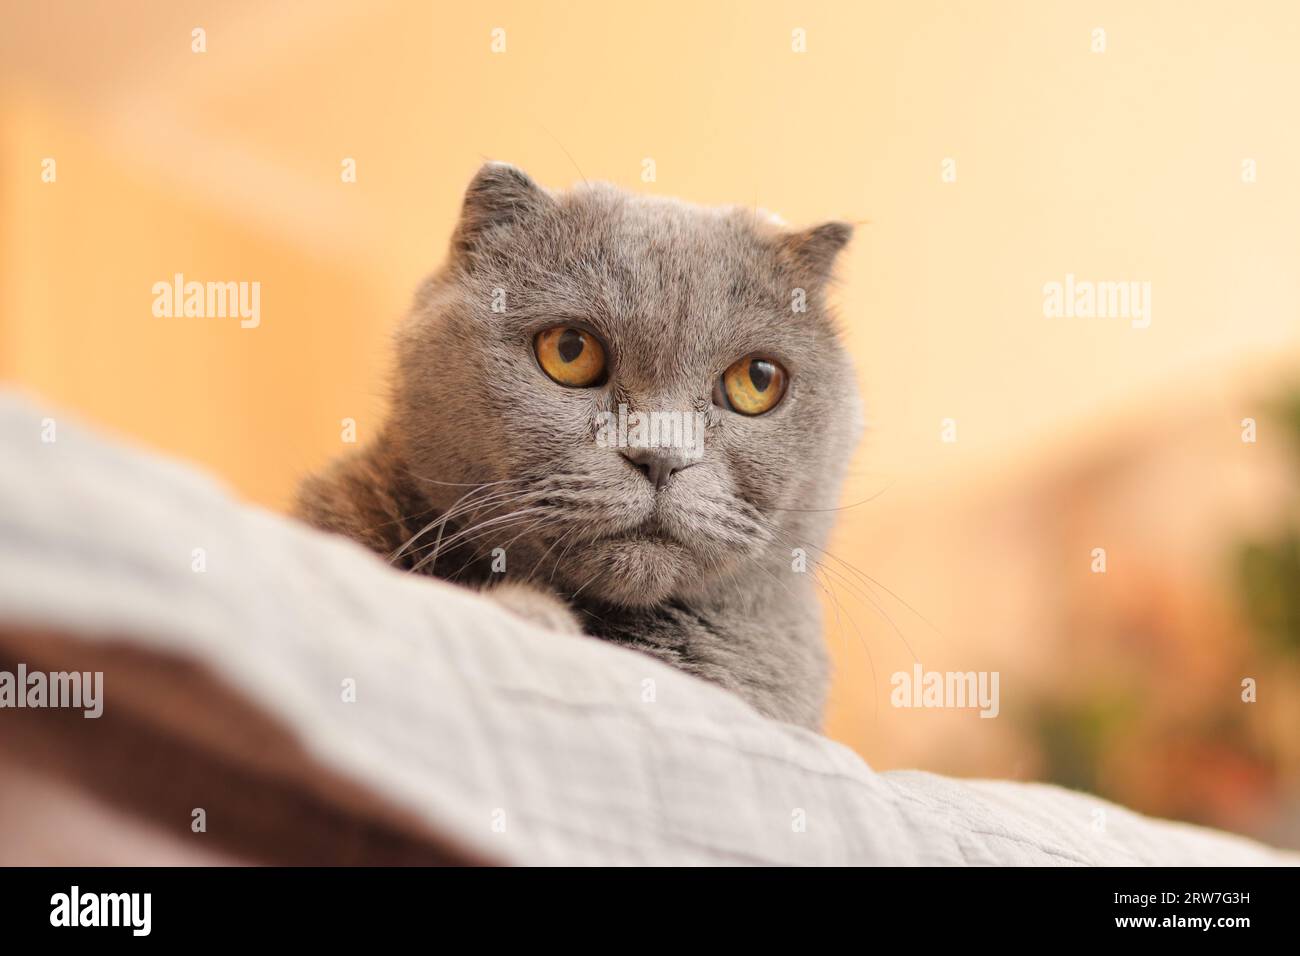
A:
<point x="988" y="148"/>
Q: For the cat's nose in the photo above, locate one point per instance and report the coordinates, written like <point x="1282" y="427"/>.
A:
<point x="658" y="465"/>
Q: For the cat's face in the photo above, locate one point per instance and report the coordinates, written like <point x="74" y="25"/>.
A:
<point x="557" y="309"/>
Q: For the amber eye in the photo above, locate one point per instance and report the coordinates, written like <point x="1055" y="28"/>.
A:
<point x="751" y="386"/>
<point x="571" y="356"/>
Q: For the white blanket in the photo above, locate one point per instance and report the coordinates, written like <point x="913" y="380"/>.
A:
<point x="471" y="731"/>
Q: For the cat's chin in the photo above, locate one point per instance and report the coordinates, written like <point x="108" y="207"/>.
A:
<point x="634" y="571"/>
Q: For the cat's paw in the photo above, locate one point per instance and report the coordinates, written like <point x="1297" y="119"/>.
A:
<point x="534" y="604"/>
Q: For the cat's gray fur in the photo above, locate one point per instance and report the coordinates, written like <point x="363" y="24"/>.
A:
<point x="699" y="573"/>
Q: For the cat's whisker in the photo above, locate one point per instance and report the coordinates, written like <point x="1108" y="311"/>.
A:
<point x="504" y="498"/>
<point x="856" y="504"/>
<point x="477" y="552"/>
<point x="460" y="484"/>
<point x="759" y="564"/>
<point x="473" y="529"/>
<point x="442" y="519"/>
<point x="396" y="521"/>
<point x="545" y="554"/>
<point x="837" y="606"/>
<point x="862" y="641"/>
<point x="862" y="592"/>
<point x="540" y="522"/>
<point x="563" y="554"/>
<point x="575" y="594"/>
<point x="868" y="579"/>
<point x="865" y="595"/>
<point x="475" y="505"/>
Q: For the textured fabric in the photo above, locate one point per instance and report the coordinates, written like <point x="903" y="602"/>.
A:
<point x="471" y="730"/>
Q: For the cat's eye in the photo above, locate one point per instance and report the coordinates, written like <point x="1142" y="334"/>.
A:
<point x="751" y="386"/>
<point x="571" y="356"/>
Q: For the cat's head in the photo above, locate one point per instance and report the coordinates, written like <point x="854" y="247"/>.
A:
<point x="533" y="360"/>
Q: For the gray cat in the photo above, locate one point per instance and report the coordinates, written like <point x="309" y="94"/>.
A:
<point x="498" y="467"/>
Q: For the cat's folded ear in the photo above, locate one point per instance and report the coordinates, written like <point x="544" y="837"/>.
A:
<point x="499" y="196"/>
<point x="812" y="252"/>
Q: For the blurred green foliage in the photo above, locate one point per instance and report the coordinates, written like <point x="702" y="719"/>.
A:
<point x="1076" y="734"/>
<point x="1110" y="734"/>
<point x="1268" y="571"/>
